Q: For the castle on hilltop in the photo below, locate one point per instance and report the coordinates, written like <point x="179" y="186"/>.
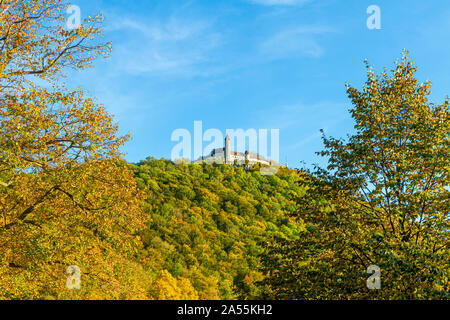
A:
<point x="228" y="156"/>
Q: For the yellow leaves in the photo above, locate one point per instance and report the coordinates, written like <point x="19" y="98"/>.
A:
<point x="206" y="193"/>
<point x="71" y="199"/>
<point x="60" y="124"/>
<point x="30" y="49"/>
<point x="166" y="287"/>
<point x="96" y="242"/>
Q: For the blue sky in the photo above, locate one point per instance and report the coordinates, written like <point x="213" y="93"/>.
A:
<point x="261" y="64"/>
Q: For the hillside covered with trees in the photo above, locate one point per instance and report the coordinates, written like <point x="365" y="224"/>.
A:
<point x="79" y="222"/>
<point x="209" y="222"/>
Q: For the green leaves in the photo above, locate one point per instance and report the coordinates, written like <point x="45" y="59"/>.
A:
<point x="213" y="237"/>
<point x="388" y="190"/>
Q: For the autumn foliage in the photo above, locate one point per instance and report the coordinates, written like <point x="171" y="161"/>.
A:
<point x="383" y="200"/>
<point x="66" y="197"/>
<point x="156" y="230"/>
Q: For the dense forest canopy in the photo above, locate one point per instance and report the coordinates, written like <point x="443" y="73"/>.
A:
<point x="209" y="222"/>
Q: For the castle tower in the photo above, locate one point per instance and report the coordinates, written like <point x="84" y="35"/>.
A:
<point x="247" y="157"/>
<point x="228" y="150"/>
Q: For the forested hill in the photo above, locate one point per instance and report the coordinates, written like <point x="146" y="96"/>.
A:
<point x="79" y="222"/>
<point x="208" y="224"/>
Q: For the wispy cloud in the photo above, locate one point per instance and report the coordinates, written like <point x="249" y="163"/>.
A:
<point x="313" y="137"/>
<point x="295" y="42"/>
<point x="173" y="29"/>
<point x="279" y="2"/>
<point x="168" y="47"/>
<point x="309" y="117"/>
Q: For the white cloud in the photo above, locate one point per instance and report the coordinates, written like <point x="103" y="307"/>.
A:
<point x="295" y="42"/>
<point x="172" y="30"/>
<point x="315" y="136"/>
<point x="175" y="46"/>
<point x="287" y="117"/>
<point x="280" y="2"/>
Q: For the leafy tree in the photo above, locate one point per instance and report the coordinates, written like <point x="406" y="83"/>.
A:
<point x="383" y="201"/>
<point x="66" y="197"/>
